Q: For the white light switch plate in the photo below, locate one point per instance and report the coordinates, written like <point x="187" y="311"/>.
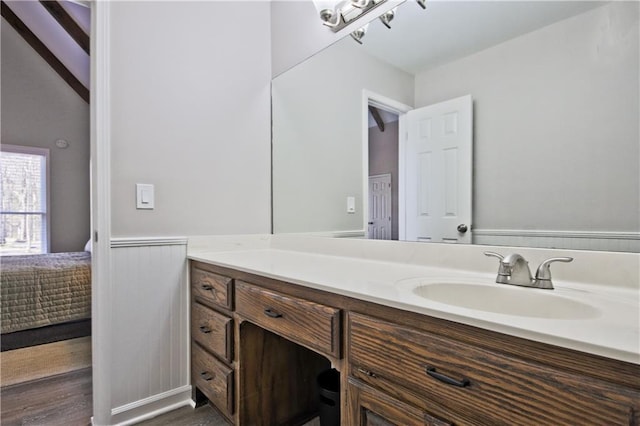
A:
<point x="351" y="204"/>
<point x="144" y="196"/>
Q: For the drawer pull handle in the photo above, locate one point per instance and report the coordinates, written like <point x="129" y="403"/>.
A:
<point x="367" y="372"/>
<point x="448" y="380"/>
<point x="205" y="329"/>
<point x="205" y="375"/>
<point x="271" y="313"/>
<point x="207" y="287"/>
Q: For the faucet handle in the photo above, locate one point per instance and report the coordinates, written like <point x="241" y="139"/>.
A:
<point x="493" y="254"/>
<point x="544" y="271"/>
<point x="502" y="269"/>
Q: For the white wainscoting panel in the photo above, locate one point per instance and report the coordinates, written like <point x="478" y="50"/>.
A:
<point x="572" y="240"/>
<point x="150" y="330"/>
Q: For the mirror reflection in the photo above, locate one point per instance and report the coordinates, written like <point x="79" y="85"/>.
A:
<point x="543" y="95"/>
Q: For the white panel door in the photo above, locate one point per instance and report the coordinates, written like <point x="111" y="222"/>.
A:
<point x="380" y="207"/>
<point x="439" y="172"/>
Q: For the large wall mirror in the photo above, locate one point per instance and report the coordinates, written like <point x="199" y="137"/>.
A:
<point x="555" y="146"/>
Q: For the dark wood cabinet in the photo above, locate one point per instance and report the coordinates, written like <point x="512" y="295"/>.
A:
<point x="212" y="338"/>
<point x="259" y="343"/>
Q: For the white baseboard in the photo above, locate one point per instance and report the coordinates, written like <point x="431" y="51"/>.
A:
<point x="153" y="406"/>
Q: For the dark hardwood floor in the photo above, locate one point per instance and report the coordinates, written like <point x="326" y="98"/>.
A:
<point x="64" y="399"/>
<point x="187" y="416"/>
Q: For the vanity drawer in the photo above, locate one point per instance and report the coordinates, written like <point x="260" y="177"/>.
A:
<point x="500" y="389"/>
<point x="369" y="407"/>
<point x="212" y="330"/>
<point x="214" y="379"/>
<point x="214" y="288"/>
<point x="312" y="324"/>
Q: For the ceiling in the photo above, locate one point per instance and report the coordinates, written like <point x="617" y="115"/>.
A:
<point x="419" y="39"/>
<point x="448" y="30"/>
<point x="37" y="18"/>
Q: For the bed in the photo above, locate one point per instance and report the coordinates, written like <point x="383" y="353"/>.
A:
<point x="45" y="298"/>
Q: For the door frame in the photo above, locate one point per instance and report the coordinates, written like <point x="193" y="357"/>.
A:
<point x="390" y="105"/>
<point x="100" y="141"/>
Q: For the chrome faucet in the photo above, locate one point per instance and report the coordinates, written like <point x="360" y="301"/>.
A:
<point x="514" y="270"/>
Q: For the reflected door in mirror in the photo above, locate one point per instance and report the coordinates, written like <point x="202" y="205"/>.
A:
<point x="439" y="171"/>
<point x="379" y="225"/>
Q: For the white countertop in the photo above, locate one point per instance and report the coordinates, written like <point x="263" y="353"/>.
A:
<point x="612" y="329"/>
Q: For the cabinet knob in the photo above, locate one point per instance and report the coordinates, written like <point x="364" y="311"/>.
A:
<point x="271" y="313"/>
<point x="367" y="372"/>
<point x="206" y="376"/>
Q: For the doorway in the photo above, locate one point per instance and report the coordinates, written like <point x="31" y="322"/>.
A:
<point x="434" y="146"/>
<point x="383" y="154"/>
<point x="46" y="335"/>
<point x="384" y="170"/>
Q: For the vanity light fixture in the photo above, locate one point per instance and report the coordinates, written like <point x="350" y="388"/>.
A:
<point x="336" y="14"/>
<point x="359" y="33"/>
<point x="388" y="16"/>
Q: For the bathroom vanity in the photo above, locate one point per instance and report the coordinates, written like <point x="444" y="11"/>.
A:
<point x="267" y="318"/>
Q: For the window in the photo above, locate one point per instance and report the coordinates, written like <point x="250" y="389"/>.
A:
<point x="24" y="196"/>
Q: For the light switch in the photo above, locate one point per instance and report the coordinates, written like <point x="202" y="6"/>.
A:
<point x="351" y="205"/>
<point x="144" y="196"/>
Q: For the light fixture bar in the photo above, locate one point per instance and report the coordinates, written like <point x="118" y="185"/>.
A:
<point x="338" y="14"/>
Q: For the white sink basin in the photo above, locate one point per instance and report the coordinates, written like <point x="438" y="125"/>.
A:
<point x="508" y="300"/>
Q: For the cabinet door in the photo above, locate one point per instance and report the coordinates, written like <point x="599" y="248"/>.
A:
<point x="369" y="407"/>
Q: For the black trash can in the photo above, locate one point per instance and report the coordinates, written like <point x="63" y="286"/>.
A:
<point x="329" y="394"/>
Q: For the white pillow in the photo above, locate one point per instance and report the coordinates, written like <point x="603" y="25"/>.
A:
<point x="87" y="247"/>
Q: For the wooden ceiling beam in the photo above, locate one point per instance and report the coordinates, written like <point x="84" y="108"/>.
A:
<point x="68" y="23"/>
<point x="44" y="52"/>
<point x="376" y="116"/>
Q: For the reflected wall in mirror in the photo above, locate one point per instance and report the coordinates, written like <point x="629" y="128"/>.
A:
<point x="556" y="145"/>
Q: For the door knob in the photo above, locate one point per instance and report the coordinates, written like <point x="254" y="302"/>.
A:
<point x="462" y="228"/>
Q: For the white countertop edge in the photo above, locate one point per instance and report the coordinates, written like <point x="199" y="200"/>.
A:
<point x="578" y="345"/>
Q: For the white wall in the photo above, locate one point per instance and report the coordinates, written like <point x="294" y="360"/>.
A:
<point x="317" y="136"/>
<point x="190" y="114"/>
<point x="38" y="108"/>
<point x="189" y="88"/>
<point x="556" y="124"/>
